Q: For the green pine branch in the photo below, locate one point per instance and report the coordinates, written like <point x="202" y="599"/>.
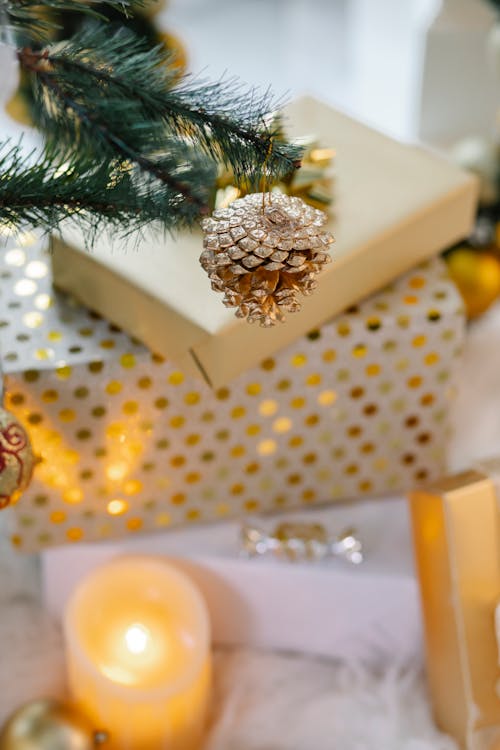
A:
<point x="112" y="76"/>
<point x="126" y="143"/>
<point x="73" y="113"/>
<point x="37" y="191"/>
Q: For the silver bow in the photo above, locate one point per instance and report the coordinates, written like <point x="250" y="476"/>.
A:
<point x="301" y="542"/>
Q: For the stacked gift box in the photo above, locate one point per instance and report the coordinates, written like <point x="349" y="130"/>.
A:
<point x="150" y="406"/>
<point x="225" y="418"/>
<point x="126" y="442"/>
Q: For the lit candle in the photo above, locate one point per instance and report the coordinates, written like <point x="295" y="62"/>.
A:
<point x="138" y="652"/>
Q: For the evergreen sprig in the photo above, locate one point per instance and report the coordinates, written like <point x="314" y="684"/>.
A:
<point x="112" y="108"/>
<point x="225" y="119"/>
<point x="38" y="191"/>
<point x="86" y="117"/>
<point x="119" y="80"/>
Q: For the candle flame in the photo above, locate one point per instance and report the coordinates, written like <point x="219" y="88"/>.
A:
<point x="137" y="638"/>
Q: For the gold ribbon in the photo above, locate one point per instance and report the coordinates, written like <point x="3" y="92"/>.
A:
<point x="313" y="182"/>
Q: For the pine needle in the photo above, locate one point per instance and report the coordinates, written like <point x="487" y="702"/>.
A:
<point x="117" y="79"/>
<point x="125" y="143"/>
<point x="37" y="191"/>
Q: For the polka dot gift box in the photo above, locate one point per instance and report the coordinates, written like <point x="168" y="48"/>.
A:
<point x="127" y="442"/>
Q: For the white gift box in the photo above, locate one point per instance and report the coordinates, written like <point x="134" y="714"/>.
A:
<point x="329" y="609"/>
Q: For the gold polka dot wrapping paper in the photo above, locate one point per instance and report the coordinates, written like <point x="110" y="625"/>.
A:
<point x="126" y="442"/>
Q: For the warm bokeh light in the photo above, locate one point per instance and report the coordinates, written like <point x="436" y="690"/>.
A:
<point x="137" y="638"/>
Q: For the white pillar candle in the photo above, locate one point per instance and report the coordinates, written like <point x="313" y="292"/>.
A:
<point x="138" y="654"/>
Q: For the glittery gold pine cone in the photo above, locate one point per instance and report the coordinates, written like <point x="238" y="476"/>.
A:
<point x="262" y="251"/>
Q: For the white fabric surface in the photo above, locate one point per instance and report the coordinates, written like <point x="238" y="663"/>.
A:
<point x="265" y="701"/>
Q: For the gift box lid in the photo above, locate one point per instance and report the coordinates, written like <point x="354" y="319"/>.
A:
<point x="395" y="205"/>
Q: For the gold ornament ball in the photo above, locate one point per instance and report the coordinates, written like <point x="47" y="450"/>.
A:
<point x="477" y="276"/>
<point x="178" y="54"/>
<point x="18" y="105"/>
<point x="47" y="725"/>
<point x="17" y="108"/>
<point x="16" y="458"/>
<point x="151" y="9"/>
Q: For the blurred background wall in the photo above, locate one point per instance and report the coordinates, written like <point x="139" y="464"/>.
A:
<point x="415" y="68"/>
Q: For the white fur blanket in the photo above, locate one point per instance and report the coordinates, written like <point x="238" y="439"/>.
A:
<point x="263" y="701"/>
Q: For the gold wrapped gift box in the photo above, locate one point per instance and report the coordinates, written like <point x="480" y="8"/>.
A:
<point x="456" y="525"/>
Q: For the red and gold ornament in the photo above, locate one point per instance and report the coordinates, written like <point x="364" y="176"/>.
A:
<point x="16" y="458"/>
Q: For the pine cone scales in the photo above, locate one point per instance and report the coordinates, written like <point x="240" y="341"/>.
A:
<point x="261" y="255"/>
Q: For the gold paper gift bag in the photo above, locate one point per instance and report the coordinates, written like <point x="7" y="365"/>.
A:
<point x="456" y="526"/>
